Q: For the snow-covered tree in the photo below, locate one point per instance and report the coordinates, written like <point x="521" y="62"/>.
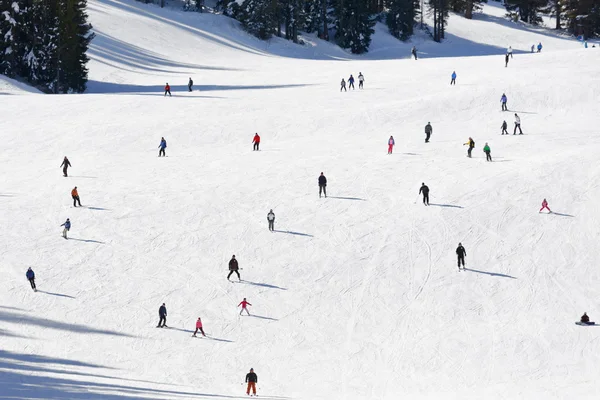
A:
<point x="400" y="17"/>
<point x="353" y="24"/>
<point x="527" y="10"/>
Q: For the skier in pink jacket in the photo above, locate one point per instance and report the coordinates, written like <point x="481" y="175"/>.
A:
<point x="391" y="144"/>
<point x="244" y="305"/>
<point x="199" y="328"/>
<point x="545" y="205"/>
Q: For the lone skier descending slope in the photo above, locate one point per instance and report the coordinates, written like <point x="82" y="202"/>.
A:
<point x="425" y="190"/>
<point x="461" y="254"/>
<point x="233" y="267"/>
<point x="252" y="380"/>
<point x="65" y="164"/>
<point x="31" y="278"/>
<point x="271" y="220"/>
<point x="244" y="305"/>
<point x="545" y="206"/>
<point x="391" y="143"/>
<point x="428" y="132"/>
<point x="322" y="185"/>
<point x="162" y="314"/>
<point x="256" y="142"/>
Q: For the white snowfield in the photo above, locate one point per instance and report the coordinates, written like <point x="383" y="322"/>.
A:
<point x="356" y="296"/>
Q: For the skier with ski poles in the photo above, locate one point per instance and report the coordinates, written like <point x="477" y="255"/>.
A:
<point x="244" y="305"/>
<point x="461" y="254"/>
<point x="67" y="227"/>
<point x="233" y="267"/>
<point x="31" y="278"/>
<point x="271" y="220"/>
<point x="425" y="190"/>
<point x="65" y="164"/>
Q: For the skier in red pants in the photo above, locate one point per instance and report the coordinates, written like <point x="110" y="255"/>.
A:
<point x="545" y="205"/>
<point x="391" y="144"/>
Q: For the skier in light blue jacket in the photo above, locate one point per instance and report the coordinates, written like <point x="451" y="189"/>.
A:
<point x="67" y="226"/>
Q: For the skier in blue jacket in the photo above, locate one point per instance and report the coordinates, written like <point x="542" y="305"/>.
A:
<point x="162" y="146"/>
<point x="351" y="82"/>
<point x="453" y="81"/>
<point x="67" y="226"/>
<point x="503" y="100"/>
<point x="539" y="47"/>
<point x="31" y="278"/>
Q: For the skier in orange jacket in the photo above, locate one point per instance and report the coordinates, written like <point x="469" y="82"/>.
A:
<point x="75" y="196"/>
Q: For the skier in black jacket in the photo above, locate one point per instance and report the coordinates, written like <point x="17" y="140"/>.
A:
<point x="425" y="190"/>
<point x="233" y="267"/>
<point x="190" y="84"/>
<point x="504" y="128"/>
<point x="65" y="164"/>
<point x="461" y="253"/>
<point x="162" y="313"/>
<point x="252" y="380"/>
<point x="322" y="185"/>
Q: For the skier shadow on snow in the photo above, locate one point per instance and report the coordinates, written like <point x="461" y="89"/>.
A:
<point x="87" y="240"/>
<point x="559" y="214"/>
<point x="490" y="273"/>
<point x="158" y="90"/>
<point x="56" y="294"/>
<point x="445" y="205"/>
<point x="99" y="209"/>
<point x="294" y="233"/>
<point x="81" y="176"/>
<point x="266" y="285"/>
<point x="345" y="198"/>
<point x="262" y="317"/>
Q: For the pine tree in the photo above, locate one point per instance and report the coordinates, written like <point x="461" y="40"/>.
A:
<point x="528" y="10"/>
<point x="582" y="17"/>
<point x="439" y="8"/>
<point x="293" y="16"/>
<point x="42" y="43"/>
<point x="257" y="17"/>
<point x="12" y="37"/>
<point x="401" y="16"/>
<point x="353" y="24"/>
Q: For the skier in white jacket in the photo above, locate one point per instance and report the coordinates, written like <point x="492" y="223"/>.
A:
<point x="517" y="125"/>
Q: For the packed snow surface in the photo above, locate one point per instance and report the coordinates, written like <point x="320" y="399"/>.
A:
<point x="356" y="296"/>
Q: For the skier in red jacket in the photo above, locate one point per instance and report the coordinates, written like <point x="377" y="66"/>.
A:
<point x="545" y="205"/>
<point x="256" y="142"/>
<point x="244" y="305"/>
<point x="167" y="89"/>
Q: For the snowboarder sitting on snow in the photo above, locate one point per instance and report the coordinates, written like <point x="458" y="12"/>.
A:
<point x="487" y="151"/>
<point x="351" y="82"/>
<point x="271" y="219"/>
<point x="162" y="146"/>
<point x="256" y="142"/>
<point x="162" y="313"/>
<point x="252" y="380"/>
<point x="391" y="143"/>
<point x="75" y="196"/>
<point x="190" y="84"/>
<point x="167" y="89"/>
<point x="471" y="144"/>
<point x="244" y="305"/>
<point x="504" y="128"/>
<point x="233" y="267"/>
<point x="453" y="81"/>
<point x="428" y="132"/>
<point x="504" y="100"/>
<point x="361" y="80"/>
<point x="65" y="164"/>
<point x="343" y="83"/>
<point x="545" y="205"/>
<point x="67" y="226"/>
<point x="461" y="253"/>
<point x="425" y="190"/>
<point x="585" y="319"/>
<point x="322" y="185"/>
<point x="199" y="328"/>
<point x="31" y="278"/>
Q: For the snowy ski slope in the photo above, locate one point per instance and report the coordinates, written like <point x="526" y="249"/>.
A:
<point x="356" y="296"/>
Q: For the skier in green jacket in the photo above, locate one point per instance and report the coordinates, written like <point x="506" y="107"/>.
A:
<point x="487" y="151"/>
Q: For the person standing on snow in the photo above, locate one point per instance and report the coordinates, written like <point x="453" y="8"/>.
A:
<point x="75" y="196"/>
<point x="361" y="80"/>
<point x="31" y="278"/>
<point x="545" y="205"/>
<point x="391" y="143"/>
<point x="167" y="89"/>
<point x="256" y="142"/>
<point x="252" y="380"/>
<point x="504" y="127"/>
<point x="162" y="313"/>
<point x="322" y="185"/>
<point x="506" y="60"/>
<point x="539" y="47"/>
<point x="414" y="52"/>
<point x="271" y="219"/>
<point x="487" y="151"/>
<point x="67" y="227"/>
<point x="343" y="83"/>
<point x="190" y="84"/>
<point x="244" y="305"/>
<point x="428" y="132"/>
<point x="532" y="48"/>
<point x="453" y="81"/>
<point x="162" y="146"/>
<point x="199" y="328"/>
<point x="65" y="164"/>
<point x="471" y="144"/>
<point x="351" y="82"/>
<point x="504" y="100"/>
<point x="461" y="254"/>
<point x="425" y="190"/>
<point x="233" y="267"/>
<point x="517" y="125"/>
<point x="510" y="51"/>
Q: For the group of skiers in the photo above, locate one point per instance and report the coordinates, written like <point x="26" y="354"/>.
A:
<point x="361" y="81"/>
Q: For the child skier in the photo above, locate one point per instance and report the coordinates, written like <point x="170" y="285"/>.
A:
<point x="428" y="132"/>
<point x="361" y="80"/>
<point x="343" y="83"/>
<point x="256" y="142"/>
<point x="244" y="305"/>
<point x="471" y="144"/>
<point x="453" y="81"/>
<point x="31" y="278"/>
<point x="487" y="151"/>
<point x="199" y="328"/>
<point x="504" y="100"/>
<point x="391" y="144"/>
<point x="545" y="206"/>
<point x="504" y="128"/>
<point x="167" y="89"/>
<point x="252" y="380"/>
<point x="67" y="226"/>
<point x="271" y="220"/>
<point x="351" y="82"/>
